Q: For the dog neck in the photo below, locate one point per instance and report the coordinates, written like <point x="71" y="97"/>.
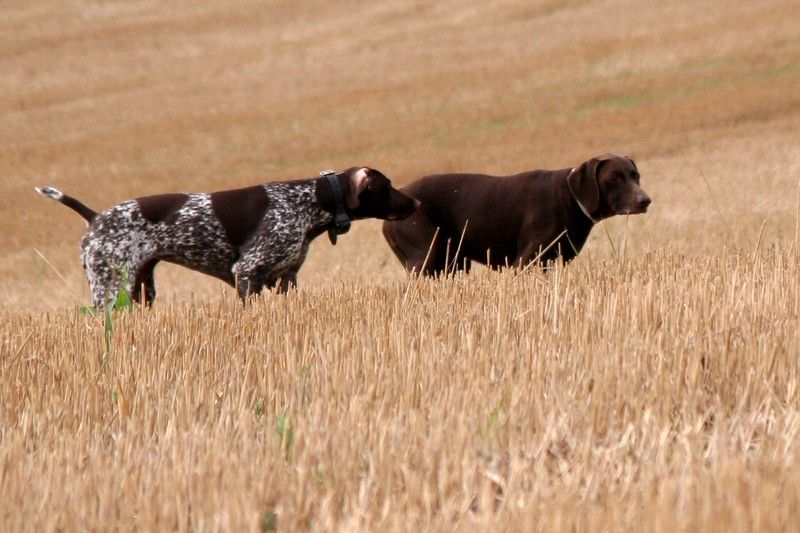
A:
<point x="331" y="197"/>
<point x="341" y="221"/>
<point x="580" y="205"/>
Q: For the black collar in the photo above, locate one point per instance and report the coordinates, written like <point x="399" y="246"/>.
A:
<point x="341" y="222"/>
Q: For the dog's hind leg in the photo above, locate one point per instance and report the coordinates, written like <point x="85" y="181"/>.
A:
<point x="104" y="280"/>
<point x="106" y="271"/>
<point x="144" y="284"/>
<point x="461" y="264"/>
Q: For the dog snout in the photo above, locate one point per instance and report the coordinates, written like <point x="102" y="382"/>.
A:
<point x="644" y="201"/>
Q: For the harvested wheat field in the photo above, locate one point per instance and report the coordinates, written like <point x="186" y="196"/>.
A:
<point x="651" y="384"/>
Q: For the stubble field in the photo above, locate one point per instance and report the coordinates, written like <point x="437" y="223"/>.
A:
<point x="650" y="384"/>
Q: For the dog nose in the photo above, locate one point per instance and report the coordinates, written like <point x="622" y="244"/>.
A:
<point x="644" y="201"/>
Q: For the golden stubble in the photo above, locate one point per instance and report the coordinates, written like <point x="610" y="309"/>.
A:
<point x="613" y="393"/>
<point x="650" y="384"/>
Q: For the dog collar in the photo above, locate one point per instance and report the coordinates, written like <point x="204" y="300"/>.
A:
<point x="341" y="222"/>
<point x="583" y="207"/>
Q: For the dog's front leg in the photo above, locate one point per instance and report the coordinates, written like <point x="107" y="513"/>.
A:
<point x="269" y="264"/>
<point x="251" y="273"/>
<point x="287" y="280"/>
<point x="249" y="283"/>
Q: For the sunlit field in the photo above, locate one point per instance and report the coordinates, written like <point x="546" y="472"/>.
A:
<point x="651" y="384"/>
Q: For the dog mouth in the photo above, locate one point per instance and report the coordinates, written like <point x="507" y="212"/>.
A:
<point x="633" y="211"/>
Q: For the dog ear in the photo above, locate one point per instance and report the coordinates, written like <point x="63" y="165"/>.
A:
<point x="582" y="183"/>
<point x="358" y="180"/>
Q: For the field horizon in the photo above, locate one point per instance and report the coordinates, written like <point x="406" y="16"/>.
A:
<point x="652" y="383"/>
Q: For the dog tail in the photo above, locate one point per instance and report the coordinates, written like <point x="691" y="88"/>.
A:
<point x="76" y="205"/>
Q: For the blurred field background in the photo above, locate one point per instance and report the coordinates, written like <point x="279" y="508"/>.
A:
<point x="651" y="383"/>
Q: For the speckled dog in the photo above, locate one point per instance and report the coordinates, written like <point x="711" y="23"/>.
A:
<point x="250" y="238"/>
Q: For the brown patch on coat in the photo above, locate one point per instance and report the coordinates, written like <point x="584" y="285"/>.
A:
<point x="161" y="207"/>
<point x="240" y="211"/>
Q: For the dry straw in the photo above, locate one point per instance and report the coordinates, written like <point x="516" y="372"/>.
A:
<point x="657" y="390"/>
<point x="646" y="391"/>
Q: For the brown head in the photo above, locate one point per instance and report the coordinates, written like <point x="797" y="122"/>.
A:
<point x="608" y="185"/>
<point x="369" y="194"/>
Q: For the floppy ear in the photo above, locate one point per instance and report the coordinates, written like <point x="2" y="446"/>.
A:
<point x="582" y="183"/>
<point x="357" y="182"/>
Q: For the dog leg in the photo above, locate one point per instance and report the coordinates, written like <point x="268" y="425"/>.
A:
<point x="144" y="285"/>
<point x="462" y="264"/>
<point x="250" y="277"/>
<point x="270" y="261"/>
<point x="104" y="282"/>
<point x="286" y="281"/>
<point x="249" y="284"/>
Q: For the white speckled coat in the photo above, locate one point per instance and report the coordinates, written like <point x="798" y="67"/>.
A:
<point x="250" y="238"/>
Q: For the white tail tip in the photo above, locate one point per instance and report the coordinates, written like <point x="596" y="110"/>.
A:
<point x="50" y="192"/>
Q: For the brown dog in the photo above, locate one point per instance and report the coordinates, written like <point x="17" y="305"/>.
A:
<point x="511" y="221"/>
